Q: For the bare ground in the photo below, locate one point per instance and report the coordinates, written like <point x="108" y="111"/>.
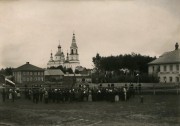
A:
<point x="159" y="110"/>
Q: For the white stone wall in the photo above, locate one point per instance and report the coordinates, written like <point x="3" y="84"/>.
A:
<point x="169" y="75"/>
<point x="73" y="65"/>
<point x="17" y="77"/>
<point x="173" y="73"/>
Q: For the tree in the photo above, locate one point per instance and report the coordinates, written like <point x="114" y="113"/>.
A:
<point x="97" y="61"/>
<point x="77" y="71"/>
<point x="133" y="62"/>
<point x="61" y="68"/>
<point x="97" y="64"/>
<point x="7" y="71"/>
<point x="52" y="67"/>
<point x="69" y="70"/>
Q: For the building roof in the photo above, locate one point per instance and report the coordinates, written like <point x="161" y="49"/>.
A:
<point x="28" y="67"/>
<point x="51" y="72"/>
<point x="76" y="75"/>
<point x="168" y="58"/>
<point x="73" y="44"/>
<point x="66" y="61"/>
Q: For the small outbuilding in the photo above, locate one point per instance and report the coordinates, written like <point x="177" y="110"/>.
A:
<point x="53" y="75"/>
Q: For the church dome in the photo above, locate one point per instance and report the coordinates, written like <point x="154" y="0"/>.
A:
<point x="61" y="54"/>
<point x="58" y="54"/>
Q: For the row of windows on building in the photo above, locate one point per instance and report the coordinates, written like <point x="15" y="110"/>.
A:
<point x="170" y="68"/>
<point x="171" y="79"/>
<point x="33" y="73"/>
<point x="27" y="79"/>
<point x="83" y="80"/>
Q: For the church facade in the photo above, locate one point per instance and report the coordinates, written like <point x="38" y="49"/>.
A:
<point x="70" y="61"/>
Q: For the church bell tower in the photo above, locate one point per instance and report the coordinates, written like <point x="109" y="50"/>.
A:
<point x="74" y="56"/>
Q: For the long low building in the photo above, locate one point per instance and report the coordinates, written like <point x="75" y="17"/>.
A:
<point x="166" y="67"/>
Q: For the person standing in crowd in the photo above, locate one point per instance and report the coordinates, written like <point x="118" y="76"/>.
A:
<point x="18" y="93"/>
<point x="50" y="93"/>
<point x="33" y="93"/>
<point x="53" y="95"/>
<point x="112" y="95"/>
<point x="94" y="94"/>
<point x="71" y="95"/>
<point x="56" y="95"/>
<point x="76" y="95"/>
<point x="90" y="96"/>
<point x="41" y="93"/>
<point x="10" y="94"/>
<point x="85" y="95"/>
<point x="116" y="96"/>
<point x="125" y="94"/>
<point x="13" y="95"/>
<point x="29" y="95"/>
<point x="26" y="91"/>
<point x="131" y="90"/>
<point x="139" y="88"/>
<point x="46" y="96"/>
<point x="126" y="86"/>
<point x="99" y="95"/>
<point x="3" y="93"/>
<point x="142" y="99"/>
<point x="36" y="94"/>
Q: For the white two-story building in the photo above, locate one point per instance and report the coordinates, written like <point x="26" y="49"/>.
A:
<point x="167" y="66"/>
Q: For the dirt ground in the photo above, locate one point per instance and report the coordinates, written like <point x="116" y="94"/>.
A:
<point x="157" y="110"/>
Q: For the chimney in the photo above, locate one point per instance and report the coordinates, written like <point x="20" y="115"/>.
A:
<point x="27" y="62"/>
<point x="176" y="46"/>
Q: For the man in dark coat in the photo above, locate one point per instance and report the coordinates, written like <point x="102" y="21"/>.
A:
<point x="139" y="88"/>
<point x="3" y="93"/>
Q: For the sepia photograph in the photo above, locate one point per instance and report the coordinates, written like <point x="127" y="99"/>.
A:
<point x="89" y="62"/>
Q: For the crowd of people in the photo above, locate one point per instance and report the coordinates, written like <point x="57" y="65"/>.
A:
<point x="38" y="93"/>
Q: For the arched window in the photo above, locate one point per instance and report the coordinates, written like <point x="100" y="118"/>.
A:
<point x="76" y="51"/>
<point x="71" y="51"/>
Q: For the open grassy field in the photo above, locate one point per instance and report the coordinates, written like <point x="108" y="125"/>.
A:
<point x="157" y="110"/>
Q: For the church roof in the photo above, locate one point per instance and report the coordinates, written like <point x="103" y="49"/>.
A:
<point x="73" y="45"/>
<point x="28" y="67"/>
<point x="168" y="58"/>
<point x="59" y="53"/>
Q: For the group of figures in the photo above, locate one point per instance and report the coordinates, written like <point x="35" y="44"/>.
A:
<point x="82" y="93"/>
<point x="10" y="93"/>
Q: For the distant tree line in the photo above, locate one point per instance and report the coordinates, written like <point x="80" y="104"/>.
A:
<point x="122" y="68"/>
<point x="6" y="71"/>
<point x="133" y="62"/>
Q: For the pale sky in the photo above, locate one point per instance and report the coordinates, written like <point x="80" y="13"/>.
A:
<point x="30" y="29"/>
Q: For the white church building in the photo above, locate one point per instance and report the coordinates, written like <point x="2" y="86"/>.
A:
<point x="71" y="60"/>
